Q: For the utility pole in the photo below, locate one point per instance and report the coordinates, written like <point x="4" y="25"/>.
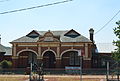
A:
<point x="107" y="70"/>
<point x="80" y="55"/>
<point x="31" y="71"/>
<point x="118" y="71"/>
<point x="80" y="68"/>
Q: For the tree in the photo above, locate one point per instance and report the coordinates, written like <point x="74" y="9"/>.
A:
<point x="6" y="64"/>
<point x="116" y="53"/>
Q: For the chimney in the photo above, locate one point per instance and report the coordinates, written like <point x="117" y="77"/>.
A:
<point x="91" y="31"/>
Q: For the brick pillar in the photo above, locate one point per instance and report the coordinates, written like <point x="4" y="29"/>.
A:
<point x="87" y="64"/>
<point x="58" y="63"/>
<point x="39" y="60"/>
<point x="14" y="61"/>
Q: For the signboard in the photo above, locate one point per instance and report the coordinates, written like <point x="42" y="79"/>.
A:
<point x="72" y="70"/>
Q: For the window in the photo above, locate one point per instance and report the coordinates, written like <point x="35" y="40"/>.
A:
<point x="71" y="58"/>
<point x="33" y="34"/>
<point x="74" y="58"/>
<point x="72" y="33"/>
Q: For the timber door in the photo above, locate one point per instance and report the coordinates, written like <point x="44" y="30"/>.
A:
<point x="49" y="59"/>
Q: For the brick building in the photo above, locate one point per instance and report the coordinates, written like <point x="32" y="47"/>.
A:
<point x="55" y="49"/>
<point x="5" y="53"/>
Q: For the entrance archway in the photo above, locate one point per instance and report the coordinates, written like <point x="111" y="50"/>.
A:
<point x="49" y="60"/>
<point x="70" y="58"/>
<point x="25" y="58"/>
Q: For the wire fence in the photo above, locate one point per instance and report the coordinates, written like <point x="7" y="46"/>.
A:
<point x="26" y="71"/>
<point x="59" y="71"/>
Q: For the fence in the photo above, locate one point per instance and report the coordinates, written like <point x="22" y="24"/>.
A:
<point x="55" y="71"/>
<point x="13" y="71"/>
<point x="59" y="71"/>
<point x="25" y="71"/>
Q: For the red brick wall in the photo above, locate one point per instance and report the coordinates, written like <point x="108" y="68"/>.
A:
<point x="64" y="48"/>
<point x="86" y="64"/>
<point x="43" y="49"/>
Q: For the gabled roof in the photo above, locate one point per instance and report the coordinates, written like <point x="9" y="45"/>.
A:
<point x="7" y="50"/>
<point x="2" y="48"/>
<point x="105" y="47"/>
<point x="61" y="34"/>
<point x="55" y="33"/>
<point x="26" y="39"/>
<point x="72" y="33"/>
<point x="33" y="34"/>
<point x="76" y="39"/>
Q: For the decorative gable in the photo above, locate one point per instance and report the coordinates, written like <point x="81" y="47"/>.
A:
<point x="72" y="33"/>
<point x="48" y="34"/>
<point x="33" y="34"/>
<point x="48" y="37"/>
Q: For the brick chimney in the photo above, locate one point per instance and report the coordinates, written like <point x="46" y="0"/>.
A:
<point x="91" y="31"/>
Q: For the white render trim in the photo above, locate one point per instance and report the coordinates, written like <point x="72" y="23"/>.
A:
<point x="48" y="50"/>
<point x="14" y="50"/>
<point x="84" y="58"/>
<point x="39" y="50"/>
<point x="49" y="45"/>
<point x="27" y="50"/>
<point x="58" y="51"/>
<point x="73" y="45"/>
<point x="14" y="57"/>
<point x="86" y="50"/>
<point x="27" y="45"/>
<point x="67" y="51"/>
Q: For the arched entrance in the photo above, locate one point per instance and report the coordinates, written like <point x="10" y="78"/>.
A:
<point x="70" y="58"/>
<point x="49" y="60"/>
<point x="25" y="58"/>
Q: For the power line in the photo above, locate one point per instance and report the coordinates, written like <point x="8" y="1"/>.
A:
<point x="17" y="10"/>
<point x="108" y="22"/>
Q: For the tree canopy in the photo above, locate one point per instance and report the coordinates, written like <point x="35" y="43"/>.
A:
<point x="116" y="53"/>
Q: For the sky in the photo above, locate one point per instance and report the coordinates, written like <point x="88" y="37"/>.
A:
<point x="80" y="15"/>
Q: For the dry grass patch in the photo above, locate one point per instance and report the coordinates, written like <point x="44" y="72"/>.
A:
<point x="52" y="78"/>
<point x="13" y="78"/>
<point x="76" y="79"/>
<point x="9" y="79"/>
<point x="69" y="78"/>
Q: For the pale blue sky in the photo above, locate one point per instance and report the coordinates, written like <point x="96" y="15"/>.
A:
<point x="80" y="15"/>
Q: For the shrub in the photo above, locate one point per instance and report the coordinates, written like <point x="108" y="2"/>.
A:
<point x="6" y="64"/>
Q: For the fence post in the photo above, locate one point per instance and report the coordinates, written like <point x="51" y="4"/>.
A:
<point x="118" y="70"/>
<point x="80" y="68"/>
<point x="30" y="71"/>
<point x="107" y="70"/>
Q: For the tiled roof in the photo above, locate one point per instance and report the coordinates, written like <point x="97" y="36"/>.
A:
<point x="76" y="39"/>
<point x="26" y="39"/>
<point x="7" y="50"/>
<point x="2" y="48"/>
<point x="105" y="47"/>
<point x="55" y="33"/>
